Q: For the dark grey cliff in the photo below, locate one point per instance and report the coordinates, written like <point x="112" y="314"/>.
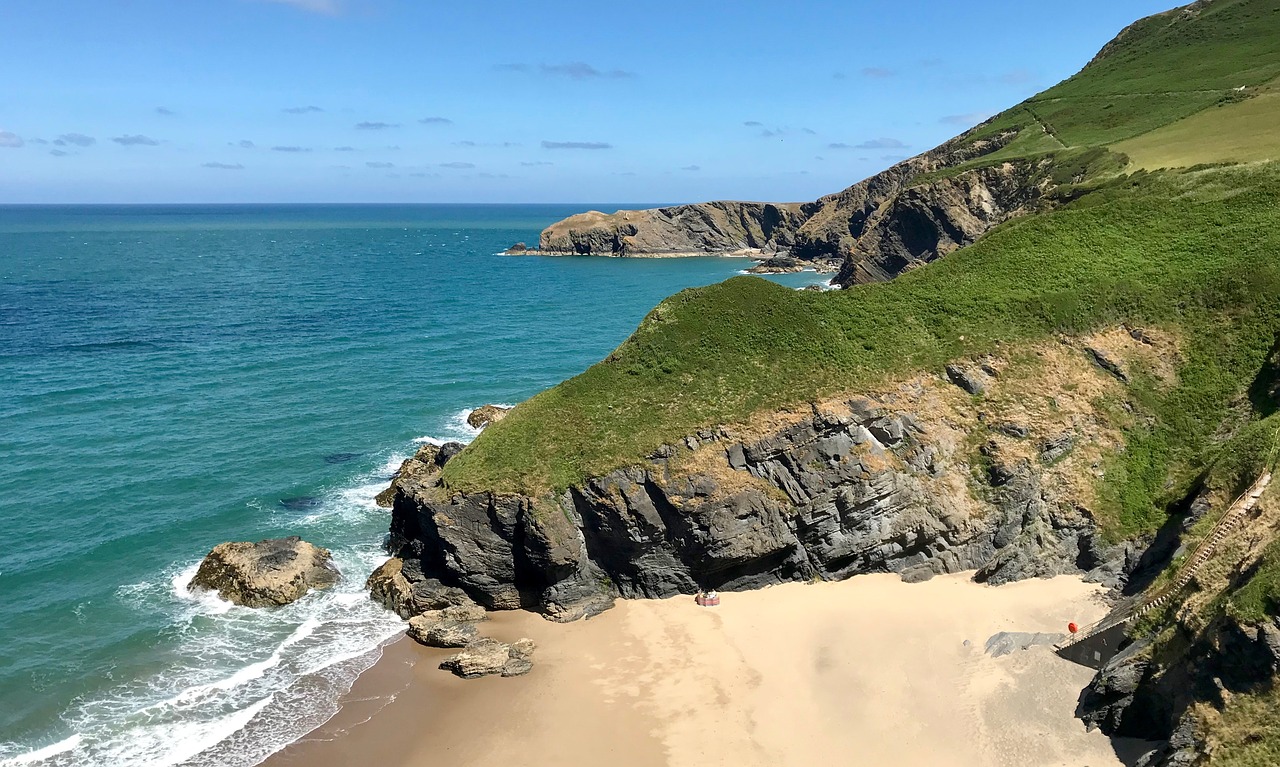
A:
<point x="699" y="229"/>
<point x="836" y="494"/>
<point x="914" y="212"/>
<point x="1149" y="694"/>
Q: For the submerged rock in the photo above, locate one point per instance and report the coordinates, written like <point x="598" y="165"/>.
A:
<point x="267" y="573"/>
<point x="485" y="415"/>
<point x="778" y="265"/>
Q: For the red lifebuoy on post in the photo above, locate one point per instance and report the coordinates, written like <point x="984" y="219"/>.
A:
<point x="1072" y="627"/>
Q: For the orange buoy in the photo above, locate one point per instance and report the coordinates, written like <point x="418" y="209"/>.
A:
<point x="1073" y="628"/>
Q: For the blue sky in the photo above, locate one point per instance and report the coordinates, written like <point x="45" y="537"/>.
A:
<point x="504" y="101"/>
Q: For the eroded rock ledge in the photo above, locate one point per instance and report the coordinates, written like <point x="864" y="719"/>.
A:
<point x="919" y="210"/>
<point x="919" y="479"/>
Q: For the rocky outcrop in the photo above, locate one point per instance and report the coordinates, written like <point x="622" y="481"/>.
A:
<point x="267" y="573"/>
<point x="910" y="214"/>
<point x="871" y="484"/>
<point x="489" y="656"/>
<point x="425" y="463"/>
<point x="927" y="221"/>
<point x="688" y="230"/>
<point x="778" y="265"/>
<point x="1154" y="698"/>
<point x="485" y="415"/>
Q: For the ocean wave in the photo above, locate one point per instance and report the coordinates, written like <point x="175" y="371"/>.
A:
<point x="241" y="683"/>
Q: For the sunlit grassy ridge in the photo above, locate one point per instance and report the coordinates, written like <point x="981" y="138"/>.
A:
<point x="1197" y="250"/>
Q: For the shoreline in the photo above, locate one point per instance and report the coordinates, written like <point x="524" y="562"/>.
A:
<point x="893" y="673"/>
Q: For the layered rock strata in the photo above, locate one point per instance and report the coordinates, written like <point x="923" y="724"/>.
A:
<point x="893" y="482"/>
<point x="914" y="212"/>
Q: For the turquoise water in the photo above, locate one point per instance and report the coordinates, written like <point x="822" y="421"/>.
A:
<point x="172" y="377"/>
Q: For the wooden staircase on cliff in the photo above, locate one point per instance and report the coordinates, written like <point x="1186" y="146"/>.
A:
<point x="1096" y="644"/>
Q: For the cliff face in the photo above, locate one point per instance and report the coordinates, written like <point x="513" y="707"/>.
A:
<point x="905" y="216"/>
<point x="713" y="227"/>
<point x="890" y="482"/>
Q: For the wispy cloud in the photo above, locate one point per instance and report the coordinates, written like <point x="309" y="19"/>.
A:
<point x="573" y="70"/>
<point x="972" y="118"/>
<point x="692" y="168"/>
<point x="223" y="166"/>
<point x="753" y="124"/>
<point x="881" y="143"/>
<point x="243" y="143"/>
<point x="1017" y="77"/>
<point x="378" y="165"/>
<point x="302" y="110"/>
<point x="135" y="140"/>
<point x="326" y="7"/>
<point x="537" y="164"/>
<point x="375" y="126"/>
<point x="58" y="152"/>
<point x="580" y="70"/>
<point x="840" y="145"/>
<point x="436" y="121"/>
<point x="458" y="165"/>
<point x="165" y="112"/>
<point x="344" y="149"/>
<point x="839" y="76"/>
<point x="289" y="149"/>
<point x="877" y="73"/>
<point x="576" y="145"/>
<point x="76" y="139"/>
<point x="420" y="174"/>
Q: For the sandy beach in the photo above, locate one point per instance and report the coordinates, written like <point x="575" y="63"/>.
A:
<point x="868" y="671"/>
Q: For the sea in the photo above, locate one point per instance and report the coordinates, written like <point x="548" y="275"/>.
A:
<point x="172" y="377"/>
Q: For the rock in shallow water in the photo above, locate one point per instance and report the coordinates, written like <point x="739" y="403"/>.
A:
<point x="268" y="573"/>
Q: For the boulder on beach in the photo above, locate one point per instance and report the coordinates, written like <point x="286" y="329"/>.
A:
<point x="489" y="656"/>
<point x="485" y="415"/>
<point x="268" y="573"/>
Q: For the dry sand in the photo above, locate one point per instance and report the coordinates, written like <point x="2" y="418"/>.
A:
<point x="869" y="671"/>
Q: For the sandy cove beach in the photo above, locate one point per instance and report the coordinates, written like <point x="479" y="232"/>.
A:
<point x="868" y="671"/>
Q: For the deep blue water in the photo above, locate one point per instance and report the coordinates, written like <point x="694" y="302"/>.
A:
<point x="172" y="377"/>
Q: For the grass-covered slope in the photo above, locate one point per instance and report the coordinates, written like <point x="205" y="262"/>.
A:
<point x="1195" y="251"/>
<point x="1159" y="71"/>
<point x="1198" y="252"/>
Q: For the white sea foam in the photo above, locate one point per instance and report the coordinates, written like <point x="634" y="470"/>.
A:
<point x="43" y="754"/>
<point x="456" y="428"/>
<point x="240" y="683"/>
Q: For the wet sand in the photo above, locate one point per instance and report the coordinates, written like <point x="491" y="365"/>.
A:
<point x="869" y="671"/>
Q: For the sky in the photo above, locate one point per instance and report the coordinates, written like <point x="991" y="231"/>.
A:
<point x="159" y="101"/>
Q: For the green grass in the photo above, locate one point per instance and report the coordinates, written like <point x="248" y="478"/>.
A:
<point x="1199" y="251"/>
<point x="1241" y="131"/>
<point x="1246" y="734"/>
<point x="1162" y="71"/>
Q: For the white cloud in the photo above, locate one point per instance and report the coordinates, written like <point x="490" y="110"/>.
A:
<point x="10" y="140"/>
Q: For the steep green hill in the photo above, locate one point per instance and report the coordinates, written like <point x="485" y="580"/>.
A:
<point x="1196" y="251"/>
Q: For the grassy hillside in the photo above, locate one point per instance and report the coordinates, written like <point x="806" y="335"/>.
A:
<point x="1195" y="251"/>
<point x="1159" y="71"/>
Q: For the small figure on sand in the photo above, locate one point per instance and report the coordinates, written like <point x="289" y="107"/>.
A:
<point x="707" y="599"/>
